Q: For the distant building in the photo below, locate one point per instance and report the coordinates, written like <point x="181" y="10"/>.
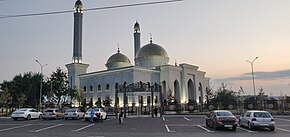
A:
<point x="185" y="81"/>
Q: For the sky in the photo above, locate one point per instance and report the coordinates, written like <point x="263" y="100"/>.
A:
<point x="216" y="35"/>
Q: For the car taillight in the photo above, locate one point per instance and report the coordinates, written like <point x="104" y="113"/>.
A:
<point x="272" y="119"/>
<point x="254" y="119"/>
<point x="219" y="120"/>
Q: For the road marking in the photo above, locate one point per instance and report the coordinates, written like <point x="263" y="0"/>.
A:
<point x="163" y="119"/>
<point x="245" y="129"/>
<point x="168" y="130"/>
<point x="186" y="119"/>
<point x="282" y="129"/>
<point x="204" y="128"/>
<point x="83" y="127"/>
<point x="15" y="127"/>
<point x="282" y="119"/>
<point x="46" y="128"/>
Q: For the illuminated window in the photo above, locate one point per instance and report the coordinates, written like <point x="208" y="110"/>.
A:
<point x="99" y="88"/>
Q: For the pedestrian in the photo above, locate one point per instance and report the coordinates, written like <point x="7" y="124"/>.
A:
<point x="155" y="111"/>
<point x="92" y="113"/>
<point x="122" y="117"/>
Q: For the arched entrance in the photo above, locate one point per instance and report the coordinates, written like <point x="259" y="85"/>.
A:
<point x="177" y="91"/>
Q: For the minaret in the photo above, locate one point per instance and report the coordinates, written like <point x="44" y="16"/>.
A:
<point x="137" y="41"/>
<point x="77" y="67"/>
<point x="78" y="23"/>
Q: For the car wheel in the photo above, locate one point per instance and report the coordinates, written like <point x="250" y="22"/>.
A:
<point x="65" y="118"/>
<point x="206" y="123"/>
<point x="44" y="118"/>
<point x="106" y="117"/>
<point x="272" y="128"/>
<point x="15" y="119"/>
<point x="40" y="116"/>
<point x="28" y="117"/>
<point x="250" y="127"/>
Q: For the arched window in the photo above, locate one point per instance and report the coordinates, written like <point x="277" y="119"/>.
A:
<point x="91" y="88"/>
<point x="99" y="88"/>
<point x="107" y="87"/>
<point x="85" y="89"/>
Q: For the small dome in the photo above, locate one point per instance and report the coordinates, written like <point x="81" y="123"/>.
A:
<point x="78" y="6"/>
<point x="136" y="27"/>
<point x="118" y="60"/>
<point x="152" y="49"/>
<point x="118" y="57"/>
<point x="78" y="3"/>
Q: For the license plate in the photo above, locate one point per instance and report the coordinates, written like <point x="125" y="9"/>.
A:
<point x="264" y="124"/>
<point x="228" y="125"/>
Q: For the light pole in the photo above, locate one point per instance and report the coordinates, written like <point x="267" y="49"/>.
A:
<point x="41" y="77"/>
<point x="252" y="66"/>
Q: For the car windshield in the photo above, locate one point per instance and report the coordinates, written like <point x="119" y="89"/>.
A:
<point x="71" y="110"/>
<point x="224" y="114"/>
<point x="22" y="109"/>
<point x="262" y="114"/>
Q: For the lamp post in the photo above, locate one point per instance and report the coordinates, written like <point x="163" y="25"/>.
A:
<point x="41" y="77"/>
<point x="252" y="66"/>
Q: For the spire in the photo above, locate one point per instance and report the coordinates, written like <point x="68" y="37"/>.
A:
<point x="150" y="38"/>
<point x="118" y="51"/>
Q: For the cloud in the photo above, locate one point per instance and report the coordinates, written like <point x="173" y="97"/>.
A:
<point x="260" y="75"/>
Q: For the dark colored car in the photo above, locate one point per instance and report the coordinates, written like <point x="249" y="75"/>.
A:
<point x="221" y="119"/>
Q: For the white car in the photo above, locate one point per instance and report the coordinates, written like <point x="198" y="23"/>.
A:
<point x="99" y="113"/>
<point x="73" y="113"/>
<point x="257" y="119"/>
<point x="26" y="113"/>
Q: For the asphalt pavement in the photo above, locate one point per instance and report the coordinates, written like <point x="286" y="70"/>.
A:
<point x="168" y="125"/>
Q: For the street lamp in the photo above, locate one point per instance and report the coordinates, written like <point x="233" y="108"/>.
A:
<point x="41" y="77"/>
<point x="252" y="66"/>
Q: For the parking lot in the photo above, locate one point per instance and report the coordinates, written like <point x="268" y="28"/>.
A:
<point x="169" y="125"/>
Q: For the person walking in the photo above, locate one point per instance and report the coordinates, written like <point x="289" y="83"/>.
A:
<point x="155" y="111"/>
<point x="92" y="113"/>
<point x="121" y="117"/>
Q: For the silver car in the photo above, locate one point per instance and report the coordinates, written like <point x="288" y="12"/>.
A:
<point x="257" y="119"/>
<point x="73" y="113"/>
<point x="26" y="113"/>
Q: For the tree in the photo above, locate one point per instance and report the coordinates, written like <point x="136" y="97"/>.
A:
<point x="5" y="98"/>
<point x="107" y="101"/>
<point x="224" y="97"/>
<point x="208" y="94"/>
<point x="60" y="89"/>
<point x="261" y="98"/>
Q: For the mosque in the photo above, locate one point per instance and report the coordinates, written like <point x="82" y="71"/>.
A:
<point x="183" y="82"/>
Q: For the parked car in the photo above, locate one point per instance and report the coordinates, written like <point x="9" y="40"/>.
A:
<point x="99" y="114"/>
<point x="73" y="113"/>
<point x="52" y="113"/>
<point x="257" y="119"/>
<point x="26" y="113"/>
<point x="221" y="118"/>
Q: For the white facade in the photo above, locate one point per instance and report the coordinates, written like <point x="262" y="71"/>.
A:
<point x="185" y="81"/>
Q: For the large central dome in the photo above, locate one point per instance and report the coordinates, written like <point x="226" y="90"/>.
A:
<point x="152" y="49"/>
<point x="151" y="55"/>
